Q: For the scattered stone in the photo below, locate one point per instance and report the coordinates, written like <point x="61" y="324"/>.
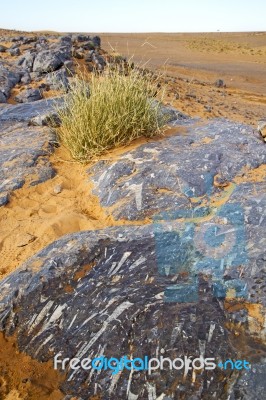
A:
<point x="2" y="48"/>
<point x="262" y="129"/>
<point x="69" y="67"/>
<point x="29" y="39"/>
<point x="58" y="189"/>
<point x="8" y="78"/>
<point x="48" y="60"/>
<point x="66" y="40"/>
<point x="87" y="46"/>
<point x="28" y="95"/>
<point x="36" y="76"/>
<point x="26" y="62"/>
<point x="78" y="54"/>
<point x="26" y="79"/>
<point x="49" y="119"/>
<point x="220" y="83"/>
<point x="58" y="79"/>
<point x="14" y="52"/>
<point x="81" y="38"/>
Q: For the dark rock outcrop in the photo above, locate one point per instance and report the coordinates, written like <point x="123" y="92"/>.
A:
<point x="25" y="150"/>
<point x="9" y="77"/>
<point x="58" y="79"/>
<point x="51" y="60"/>
<point x="166" y="175"/>
<point x="27" y="111"/>
<point x="24" y="156"/>
<point x="28" y="95"/>
<point x="160" y="289"/>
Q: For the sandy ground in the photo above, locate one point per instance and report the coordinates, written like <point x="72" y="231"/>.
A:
<point x="191" y="63"/>
<point x="36" y="216"/>
<point x="23" y="378"/>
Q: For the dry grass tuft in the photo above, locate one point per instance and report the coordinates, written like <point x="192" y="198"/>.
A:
<point x="109" y="110"/>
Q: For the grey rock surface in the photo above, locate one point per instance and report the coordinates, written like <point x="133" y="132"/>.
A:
<point x="2" y="98"/>
<point x="50" y="60"/>
<point x="167" y="174"/>
<point x="14" y="51"/>
<point x="28" y="95"/>
<point x="9" y="76"/>
<point x="58" y="79"/>
<point x="105" y="293"/>
<point x="24" y="156"/>
<point x="26" y="61"/>
<point x="24" y="112"/>
<point x="157" y="289"/>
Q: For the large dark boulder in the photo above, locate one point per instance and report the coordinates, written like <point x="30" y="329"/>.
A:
<point x="197" y="162"/>
<point x="51" y="60"/>
<point x="58" y="79"/>
<point x="26" y="62"/>
<point x="182" y="285"/>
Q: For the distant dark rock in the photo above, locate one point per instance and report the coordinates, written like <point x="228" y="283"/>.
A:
<point x="219" y="83"/>
<point x="65" y="40"/>
<point x="29" y="39"/>
<point x="50" y="60"/>
<point x="28" y="95"/>
<point x="2" y="48"/>
<point x="26" y="61"/>
<point x="14" y="52"/>
<point x="88" y="45"/>
<point x="17" y="39"/>
<point x="79" y="54"/>
<point x="96" y="41"/>
<point x="81" y="38"/>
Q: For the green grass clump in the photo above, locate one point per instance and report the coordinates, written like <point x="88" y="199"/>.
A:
<point x="107" y="111"/>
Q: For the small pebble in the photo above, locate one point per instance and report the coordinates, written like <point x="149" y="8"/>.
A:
<point x="58" y="189"/>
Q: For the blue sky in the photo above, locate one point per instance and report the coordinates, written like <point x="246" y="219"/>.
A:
<point x="134" y="16"/>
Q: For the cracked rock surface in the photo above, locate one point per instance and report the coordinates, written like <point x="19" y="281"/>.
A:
<point x="166" y="175"/>
<point x="173" y="287"/>
<point x="24" y="150"/>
